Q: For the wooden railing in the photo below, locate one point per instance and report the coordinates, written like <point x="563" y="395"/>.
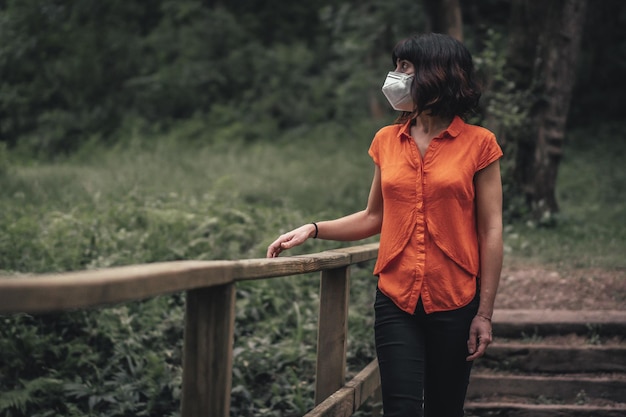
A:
<point x="210" y="318"/>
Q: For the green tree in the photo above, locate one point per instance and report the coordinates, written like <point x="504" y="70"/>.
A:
<point x="63" y="66"/>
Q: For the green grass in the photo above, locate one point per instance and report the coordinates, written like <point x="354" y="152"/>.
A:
<point x="145" y="202"/>
<point x="590" y="230"/>
<point x="108" y="207"/>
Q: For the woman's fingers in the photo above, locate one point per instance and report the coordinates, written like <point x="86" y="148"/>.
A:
<point x="288" y="240"/>
<point x="480" y="337"/>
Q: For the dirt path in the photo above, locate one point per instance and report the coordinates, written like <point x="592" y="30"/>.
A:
<point x="529" y="287"/>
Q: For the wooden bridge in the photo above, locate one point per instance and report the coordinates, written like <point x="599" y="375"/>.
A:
<point x="210" y="318"/>
<point x="210" y="321"/>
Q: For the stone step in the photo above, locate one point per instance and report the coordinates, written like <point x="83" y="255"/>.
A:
<point x="506" y="409"/>
<point x="515" y="323"/>
<point x="547" y="358"/>
<point x="561" y="388"/>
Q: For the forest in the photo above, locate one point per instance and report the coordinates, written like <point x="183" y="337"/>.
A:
<point x="145" y="131"/>
<point x="82" y="72"/>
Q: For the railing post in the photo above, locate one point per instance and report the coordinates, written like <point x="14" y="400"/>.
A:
<point x="332" y="332"/>
<point x="207" y="353"/>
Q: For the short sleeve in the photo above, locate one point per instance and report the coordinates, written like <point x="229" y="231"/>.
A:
<point x="490" y="152"/>
<point x="374" y="150"/>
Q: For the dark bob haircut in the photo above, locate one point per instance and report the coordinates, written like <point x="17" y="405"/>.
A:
<point x="444" y="83"/>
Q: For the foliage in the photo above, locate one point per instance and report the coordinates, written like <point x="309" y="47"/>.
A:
<point x="70" y="71"/>
<point x="599" y="89"/>
<point x="78" y="73"/>
<point x="62" y="68"/>
<point x="118" y="361"/>
<point x="505" y="112"/>
<point x="274" y="363"/>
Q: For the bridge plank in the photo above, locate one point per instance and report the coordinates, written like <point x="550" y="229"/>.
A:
<point x="365" y="383"/>
<point x="352" y="396"/>
<point x="338" y="404"/>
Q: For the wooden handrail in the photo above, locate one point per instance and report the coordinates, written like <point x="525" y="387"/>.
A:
<point x="85" y="289"/>
<point x="210" y="317"/>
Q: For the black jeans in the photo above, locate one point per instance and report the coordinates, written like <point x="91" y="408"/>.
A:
<point x="421" y="357"/>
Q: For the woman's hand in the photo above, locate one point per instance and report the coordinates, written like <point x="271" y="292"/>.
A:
<point x="290" y="239"/>
<point x="480" y="336"/>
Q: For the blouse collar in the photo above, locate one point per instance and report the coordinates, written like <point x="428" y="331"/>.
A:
<point x="452" y="131"/>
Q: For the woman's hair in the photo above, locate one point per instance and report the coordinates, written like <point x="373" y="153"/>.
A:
<point x="444" y="83"/>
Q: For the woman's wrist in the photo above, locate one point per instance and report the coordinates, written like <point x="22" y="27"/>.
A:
<point x="315" y="231"/>
<point x="484" y="316"/>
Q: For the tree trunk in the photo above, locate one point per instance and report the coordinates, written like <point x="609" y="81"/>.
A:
<point x="445" y="17"/>
<point x="544" y="48"/>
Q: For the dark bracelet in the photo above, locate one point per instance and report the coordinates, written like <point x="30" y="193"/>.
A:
<point x="316" y="230"/>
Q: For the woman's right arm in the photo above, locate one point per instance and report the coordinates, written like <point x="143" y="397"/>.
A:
<point x="356" y="226"/>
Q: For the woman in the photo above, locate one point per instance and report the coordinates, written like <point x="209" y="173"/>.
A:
<point x="436" y="200"/>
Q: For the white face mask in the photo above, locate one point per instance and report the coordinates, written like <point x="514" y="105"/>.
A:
<point x="397" y="89"/>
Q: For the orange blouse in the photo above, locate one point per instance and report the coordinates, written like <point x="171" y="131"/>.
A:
<point x="428" y="241"/>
